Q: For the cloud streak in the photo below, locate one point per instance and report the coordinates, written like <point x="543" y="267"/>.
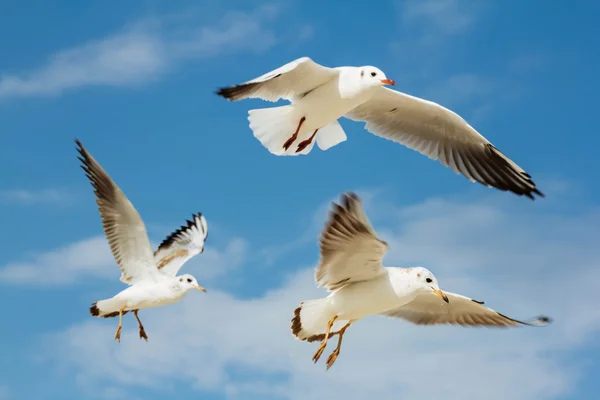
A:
<point x="91" y="258"/>
<point x="142" y="52"/>
<point x="32" y="197"/>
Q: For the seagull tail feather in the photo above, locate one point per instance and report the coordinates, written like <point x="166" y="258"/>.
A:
<point x="275" y="125"/>
<point x="105" y="309"/>
<point x="311" y="319"/>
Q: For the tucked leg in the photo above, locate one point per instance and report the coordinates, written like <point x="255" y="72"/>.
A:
<point x="292" y="139"/>
<point x="142" y="331"/>
<point x="333" y="356"/>
<point x="303" y="144"/>
<point x="118" y="332"/>
<point x="324" y="342"/>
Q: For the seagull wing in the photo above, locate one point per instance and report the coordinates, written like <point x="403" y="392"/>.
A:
<point x="181" y="245"/>
<point x="291" y="81"/>
<point x="122" y="224"/>
<point x="429" y="309"/>
<point x="442" y="135"/>
<point x="350" y="249"/>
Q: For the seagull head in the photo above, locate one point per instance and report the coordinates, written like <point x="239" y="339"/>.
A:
<point x="427" y="282"/>
<point x="373" y="76"/>
<point x="188" y="282"/>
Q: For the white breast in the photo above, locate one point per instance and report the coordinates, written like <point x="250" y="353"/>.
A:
<point x="327" y="103"/>
<point x="367" y="298"/>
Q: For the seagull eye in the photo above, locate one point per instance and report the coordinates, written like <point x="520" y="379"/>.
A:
<point x="373" y="73"/>
<point x="428" y="280"/>
<point x="189" y="280"/>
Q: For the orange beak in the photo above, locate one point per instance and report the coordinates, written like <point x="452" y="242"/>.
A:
<point x="388" y="82"/>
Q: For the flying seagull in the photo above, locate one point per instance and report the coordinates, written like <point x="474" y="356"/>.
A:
<point x="320" y="95"/>
<point x="151" y="276"/>
<point x="350" y="268"/>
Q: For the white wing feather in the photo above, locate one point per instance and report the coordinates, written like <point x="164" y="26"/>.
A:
<point x="443" y="135"/>
<point x="350" y="249"/>
<point x="429" y="309"/>
<point x="181" y="245"/>
<point x="122" y="224"/>
<point x="291" y="81"/>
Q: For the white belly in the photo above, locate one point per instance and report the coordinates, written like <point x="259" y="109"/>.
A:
<point x="325" y="105"/>
<point x="366" y="298"/>
<point x="149" y="296"/>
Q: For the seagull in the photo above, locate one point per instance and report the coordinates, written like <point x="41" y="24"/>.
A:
<point x="320" y="95"/>
<point x="350" y="268"/>
<point x="151" y="276"/>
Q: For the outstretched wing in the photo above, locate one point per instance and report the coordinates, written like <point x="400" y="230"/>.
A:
<point x="429" y="309"/>
<point x="123" y="227"/>
<point x="350" y="249"/>
<point x="442" y="135"/>
<point x="181" y="245"/>
<point x="291" y="81"/>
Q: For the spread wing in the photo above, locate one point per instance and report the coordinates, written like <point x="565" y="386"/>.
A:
<point x="181" y="245"/>
<point x="429" y="309"/>
<point x="291" y="81"/>
<point x="442" y="135"/>
<point x="122" y="224"/>
<point x="350" y="249"/>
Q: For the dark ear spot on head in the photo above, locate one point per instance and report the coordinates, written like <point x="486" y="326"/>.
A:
<point x="362" y="73"/>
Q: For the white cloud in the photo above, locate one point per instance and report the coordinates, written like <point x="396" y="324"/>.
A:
<point x="142" y="52"/>
<point x="91" y="258"/>
<point x="30" y="197"/>
<point x="67" y="265"/>
<point x="520" y="263"/>
<point x="436" y="19"/>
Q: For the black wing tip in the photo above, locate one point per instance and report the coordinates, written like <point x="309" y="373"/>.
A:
<point x="225" y="92"/>
<point x="169" y="240"/>
<point x="515" y="179"/>
<point x="232" y="93"/>
<point x="531" y="193"/>
<point x="347" y="198"/>
<point x="542" y="320"/>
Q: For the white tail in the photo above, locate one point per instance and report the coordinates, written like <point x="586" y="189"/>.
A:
<point x="106" y="308"/>
<point x="330" y="135"/>
<point x="311" y="319"/>
<point x="274" y="126"/>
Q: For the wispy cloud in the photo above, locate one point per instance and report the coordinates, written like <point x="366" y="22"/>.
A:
<point x="91" y="258"/>
<point x="143" y="51"/>
<point x="201" y="340"/>
<point x="30" y="197"/>
<point x="438" y="19"/>
<point x="66" y="265"/>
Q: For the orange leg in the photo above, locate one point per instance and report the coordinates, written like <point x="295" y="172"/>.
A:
<point x="324" y="342"/>
<point x="331" y="359"/>
<point x="118" y="332"/>
<point x="291" y="140"/>
<point x="303" y="144"/>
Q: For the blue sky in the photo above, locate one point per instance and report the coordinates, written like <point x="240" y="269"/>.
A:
<point x="135" y="83"/>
